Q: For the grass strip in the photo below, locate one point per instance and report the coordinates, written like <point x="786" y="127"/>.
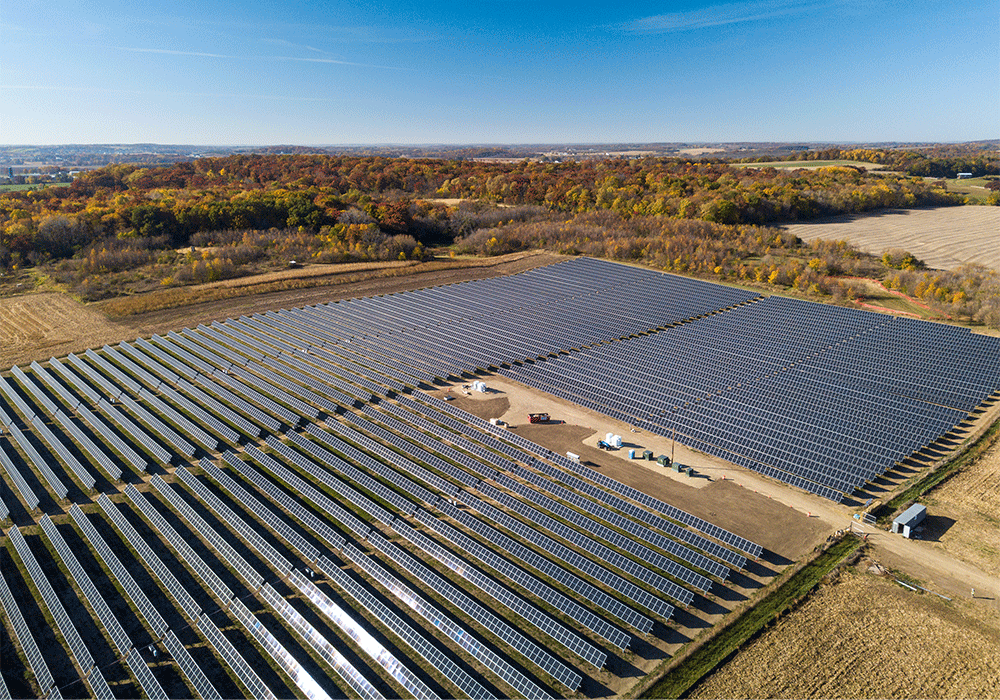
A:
<point x="918" y="488"/>
<point x="680" y="679"/>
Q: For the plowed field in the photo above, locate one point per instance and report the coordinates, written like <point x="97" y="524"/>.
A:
<point x="865" y="637"/>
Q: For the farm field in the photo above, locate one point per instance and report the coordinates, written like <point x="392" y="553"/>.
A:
<point x="865" y="637"/>
<point x="964" y="513"/>
<point x="813" y="164"/>
<point x="944" y="238"/>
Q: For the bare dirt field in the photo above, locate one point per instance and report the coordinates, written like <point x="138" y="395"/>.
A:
<point x="38" y="326"/>
<point x="944" y="238"/>
<point x="865" y="637"/>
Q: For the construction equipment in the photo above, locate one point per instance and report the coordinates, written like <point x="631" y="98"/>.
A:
<point x="538" y="417"/>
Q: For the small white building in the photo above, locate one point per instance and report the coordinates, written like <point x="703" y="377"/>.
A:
<point x="908" y="520"/>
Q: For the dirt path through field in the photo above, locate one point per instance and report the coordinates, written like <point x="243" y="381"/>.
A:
<point x="944" y="238"/>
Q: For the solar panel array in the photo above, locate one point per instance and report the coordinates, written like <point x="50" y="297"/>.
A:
<point x="24" y="638"/>
<point x="565" y="549"/>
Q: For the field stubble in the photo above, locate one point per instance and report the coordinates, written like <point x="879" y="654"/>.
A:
<point x="864" y="637"/>
<point x="944" y="238"/>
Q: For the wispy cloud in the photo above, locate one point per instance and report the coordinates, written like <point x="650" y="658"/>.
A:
<point x="160" y="93"/>
<point x="172" y="52"/>
<point x="300" y="59"/>
<point x="717" y="15"/>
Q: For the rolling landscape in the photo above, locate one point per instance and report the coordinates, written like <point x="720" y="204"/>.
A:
<point x="515" y="351"/>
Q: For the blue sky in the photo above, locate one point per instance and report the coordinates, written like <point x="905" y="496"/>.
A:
<point x="317" y="72"/>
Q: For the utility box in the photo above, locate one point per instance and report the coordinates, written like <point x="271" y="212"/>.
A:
<point x="647" y="455"/>
<point x="908" y="520"/>
<point x="663" y="461"/>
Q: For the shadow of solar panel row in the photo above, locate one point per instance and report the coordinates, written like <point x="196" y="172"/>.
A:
<point x="232" y="520"/>
<point x="110" y="623"/>
<point x="409" y="448"/>
<point x="180" y="545"/>
<point x="527" y="581"/>
<point x="147" y="681"/>
<point x="370" y="484"/>
<point x="547" y="568"/>
<point x="358" y="683"/>
<point x="191" y="670"/>
<point x="292" y="506"/>
<point x="503" y="595"/>
<point x="149" y="558"/>
<point x="253" y="504"/>
<point x="232" y="658"/>
<point x="609" y="484"/>
<point x="135" y="595"/>
<point x="612" y="558"/>
<point x="22" y="634"/>
<point x="57" y="486"/>
<point x="81" y="654"/>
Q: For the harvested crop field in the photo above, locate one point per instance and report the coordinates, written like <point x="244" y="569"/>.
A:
<point x="964" y="513"/>
<point x="944" y="238"/>
<point x="38" y="326"/>
<point x="865" y="637"/>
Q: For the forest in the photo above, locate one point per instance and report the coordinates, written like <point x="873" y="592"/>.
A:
<point x="127" y="228"/>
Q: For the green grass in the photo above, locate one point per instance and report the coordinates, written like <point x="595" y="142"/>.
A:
<point x="680" y="679"/>
<point x="921" y="486"/>
<point x="973" y="188"/>
<point x="38" y="186"/>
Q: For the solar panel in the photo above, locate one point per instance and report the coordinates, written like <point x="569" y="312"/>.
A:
<point x="158" y="426"/>
<point x="410" y="636"/>
<point x="22" y="633"/>
<point x="503" y="595"/>
<point x="276" y="650"/>
<point x="190" y="429"/>
<point x="257" y="507"/>
<point x="528" y="582"/>
<point x="531" y="651"/>
<point x="296" y="509"/>
<point x="180" y="545"/>
<point x="135" y="595"/>
<point x="409" y="681"/>
<point x="234" y="521"/>
<point x="191" y="670"/>
<point x="147" y="681"/>
<point x="440" y="622"/>
<point x="36" y="460"/>
<point x="331" y="508"/>
<point x="198" y="351"/>
<point x="115" y="442"/>
<point x="256" y="397"/>
<point x="51" y="601"/>
<point x="36" y="393"/>
<point x="27" y="495"/>
<point x="149" y="558"/>
<point x="67" y="457"/>
<point x="217" y="427"/>
<point x="97" y="603"/>
<point x="88" y="445"/>
<point x="56" y="386"/>
<point x="131" y="367"/>
<point x="77" y="383"/>
<point x="232" y="658"/>
<point x="358" y="683"/>
<point x="243" y="406"/>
